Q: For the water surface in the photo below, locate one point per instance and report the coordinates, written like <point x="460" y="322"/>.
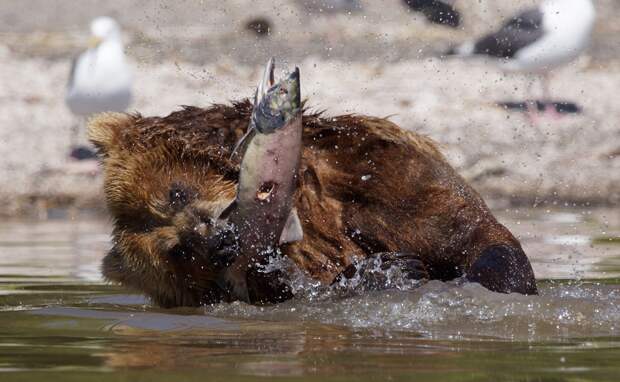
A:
<point x="60" y="321"/>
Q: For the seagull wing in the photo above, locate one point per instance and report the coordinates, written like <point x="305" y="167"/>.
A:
<point x="519" y="32"/>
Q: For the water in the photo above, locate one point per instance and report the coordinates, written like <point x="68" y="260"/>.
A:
<point x="59" y="321"/>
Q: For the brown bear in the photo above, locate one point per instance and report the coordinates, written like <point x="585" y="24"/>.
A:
<point x="366" y="189"/>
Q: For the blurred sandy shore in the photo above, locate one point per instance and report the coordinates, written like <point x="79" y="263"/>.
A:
<point x="377" y="62"/>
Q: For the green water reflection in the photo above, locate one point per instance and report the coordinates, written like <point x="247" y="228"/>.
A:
<point x="60" y="322"/>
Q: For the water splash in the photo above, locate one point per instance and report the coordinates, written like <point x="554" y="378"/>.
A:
<point x="455" y="310"/>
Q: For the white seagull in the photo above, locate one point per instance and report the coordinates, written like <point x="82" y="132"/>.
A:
<point x="538" y="39"/>
<point x="100" y="78"/>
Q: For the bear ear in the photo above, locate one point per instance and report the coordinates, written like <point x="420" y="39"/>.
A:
<point x="104" y="130"/>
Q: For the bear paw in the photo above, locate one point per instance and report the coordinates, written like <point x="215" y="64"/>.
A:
<point x="385" y="270"/>
<point x="503" y="269"/>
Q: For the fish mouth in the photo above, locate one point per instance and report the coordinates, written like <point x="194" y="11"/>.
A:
<point x="267" y="80"/>
<point x="275" y="104"/>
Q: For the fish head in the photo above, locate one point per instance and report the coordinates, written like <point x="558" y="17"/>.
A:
<point x="275" y="104"/>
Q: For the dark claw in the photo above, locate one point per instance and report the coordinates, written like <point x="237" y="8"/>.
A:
<point x="408" y="263"/>
<point x="372" y="279"/>
<point x="223" y="247"/>
<point x="349" y="272"/>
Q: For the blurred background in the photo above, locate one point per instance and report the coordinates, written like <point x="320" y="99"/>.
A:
<point x="551" y="177"/>
<point x="381" y="58"/>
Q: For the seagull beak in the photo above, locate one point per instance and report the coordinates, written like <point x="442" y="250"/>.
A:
<point x="94" y="42"/>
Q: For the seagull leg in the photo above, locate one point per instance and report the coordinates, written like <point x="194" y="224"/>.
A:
<point x="73" y="134"/>
<point x="549" y="106"/>
<point x="533" y="115"/>
<point x="532" y="105"/>
<point x="545" y="88"/>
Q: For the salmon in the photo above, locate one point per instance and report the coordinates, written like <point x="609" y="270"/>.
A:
<point x="262" y="212"/>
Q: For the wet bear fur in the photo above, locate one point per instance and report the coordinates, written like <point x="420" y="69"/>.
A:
<point x="366" y="186"/>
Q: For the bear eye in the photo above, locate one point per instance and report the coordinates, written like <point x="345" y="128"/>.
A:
<point x="179" y="196"/>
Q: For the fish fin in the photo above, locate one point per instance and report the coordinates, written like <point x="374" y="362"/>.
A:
<point x="292" y="231"/>
<point x="226" y="211"/>
<point x="241" y="141"/>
